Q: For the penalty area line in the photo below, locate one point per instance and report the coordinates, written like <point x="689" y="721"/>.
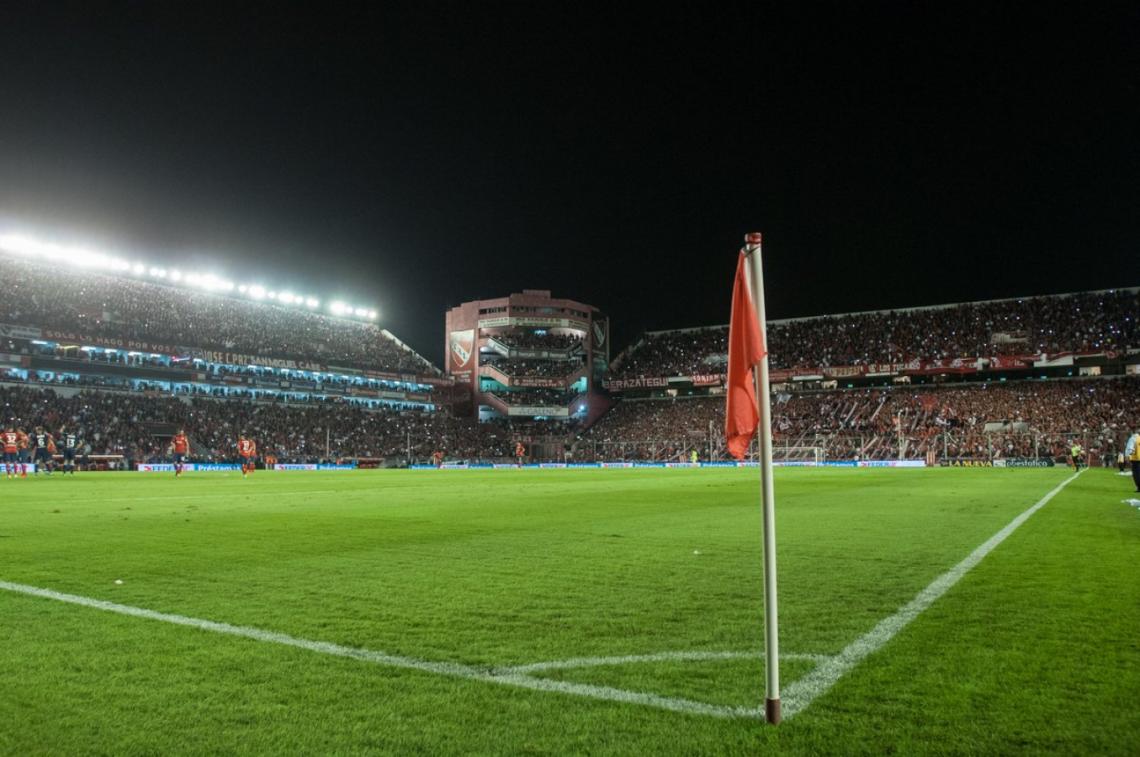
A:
<point x="502" y="676"/>
<point x="799" y="695"/>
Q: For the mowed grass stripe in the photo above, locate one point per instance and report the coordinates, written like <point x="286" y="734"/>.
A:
<point x="801" y="693"/>
<point x="1035" y="651"/>
<point x="475" y="569"/>
<point x="453" y="670"/>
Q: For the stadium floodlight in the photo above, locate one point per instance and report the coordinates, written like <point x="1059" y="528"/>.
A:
<point x="82" y="257"/>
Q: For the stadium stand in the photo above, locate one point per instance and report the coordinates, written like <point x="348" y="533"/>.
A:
<point x="1087" y="321"/>
<point x="1018" y="419"/>
<point x="82" y="303"/>
<point x="387" y="403"/>
<point x="137" y="426"/>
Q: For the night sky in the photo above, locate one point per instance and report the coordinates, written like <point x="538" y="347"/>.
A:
<point x="413" y="158"/>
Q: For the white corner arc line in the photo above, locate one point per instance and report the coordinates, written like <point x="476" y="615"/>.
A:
<point x="803" y="691"/>
<point x="504" y="676"/>
<point x="693" y="656"/>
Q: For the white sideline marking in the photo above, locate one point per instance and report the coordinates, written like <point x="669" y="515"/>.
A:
<point x="592" y="662"/>
<point x="506" y="676"/>
<point x="803" y="691"/>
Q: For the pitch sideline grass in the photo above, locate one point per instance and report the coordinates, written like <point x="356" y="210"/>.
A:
<point x="623" y="543"/>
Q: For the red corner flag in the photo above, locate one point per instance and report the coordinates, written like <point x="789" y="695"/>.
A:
<point x="745" y="350"/>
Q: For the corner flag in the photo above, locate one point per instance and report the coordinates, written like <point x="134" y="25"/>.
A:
<point x="745" y="350"/>
<point x="748" y="410"/>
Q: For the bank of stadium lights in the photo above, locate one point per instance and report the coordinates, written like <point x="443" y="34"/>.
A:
<point x="81" y="257"/>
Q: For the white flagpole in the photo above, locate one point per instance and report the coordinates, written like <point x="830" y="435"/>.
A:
<point x="767" y="491"/>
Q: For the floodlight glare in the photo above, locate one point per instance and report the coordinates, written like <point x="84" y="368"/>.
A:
<point x="81" y="257"/>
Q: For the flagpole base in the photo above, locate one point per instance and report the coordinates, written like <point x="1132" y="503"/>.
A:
<point x="772" y="711"/>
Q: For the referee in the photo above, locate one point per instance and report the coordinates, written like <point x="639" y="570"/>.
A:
<point x="1132" y="452"/>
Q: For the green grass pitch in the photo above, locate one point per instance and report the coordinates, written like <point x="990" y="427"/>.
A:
<point x="1036" y="649"/>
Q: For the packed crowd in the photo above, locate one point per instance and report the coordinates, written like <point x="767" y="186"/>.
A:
<point x="1025" y="419"/>
<point x="137" y="426"/>
<point x="538" y="368"/>
<point x="538" y="340"/>
<point x="93" y="305"/>
<point x="1020" y="419"/>
<point x="537" y="397"/>
<point x="1079" y="322"/>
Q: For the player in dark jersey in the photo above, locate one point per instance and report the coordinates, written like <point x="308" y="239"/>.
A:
<point x="10" y="440"/>
<point x="23" y="451"/>
<point x="70" y="442"/>
<point x="44" y="443"/>
<point x="180" y="448"/>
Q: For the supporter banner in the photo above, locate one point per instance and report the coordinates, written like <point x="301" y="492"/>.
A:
<point x="707" y="379"/>
<point x="236" y="358"/>
<point x="1011" y="362"/>
<point x="966" y="463"/>
<point x="545" y="410"/>
<point x="56" y="335"/>
<point x="637" y="383"/>
<point x="537" y="354"/>
<point x="18" y="332"/>
<point x="538" y="382"/>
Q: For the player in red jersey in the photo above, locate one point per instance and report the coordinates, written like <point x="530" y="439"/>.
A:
<point x="520" y="452"/>
<point x="437" y="458"/>
<point x="180" y="449"/>
<point x="11" y="442"/>
<point x="23" y="452"/>
<point x="247" y="449"/>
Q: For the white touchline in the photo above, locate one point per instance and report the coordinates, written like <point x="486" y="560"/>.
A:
<point x="505" y="676"/>
<point x="802" y="692"/>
